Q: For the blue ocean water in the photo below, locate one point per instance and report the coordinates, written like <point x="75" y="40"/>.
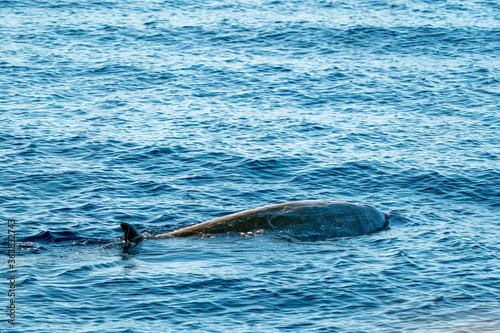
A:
<point x="169" y="113"/>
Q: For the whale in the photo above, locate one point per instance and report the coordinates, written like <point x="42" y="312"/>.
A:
<point x="329" y="218"/>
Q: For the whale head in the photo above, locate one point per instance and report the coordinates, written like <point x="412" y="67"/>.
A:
<point x="387" y="216"/>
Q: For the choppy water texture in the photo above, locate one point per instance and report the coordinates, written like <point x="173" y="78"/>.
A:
<point x="166" y="114"/>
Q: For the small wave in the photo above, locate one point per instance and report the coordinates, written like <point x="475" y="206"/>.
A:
<point x="62" y="237"/>
<point x="48" y="237"/>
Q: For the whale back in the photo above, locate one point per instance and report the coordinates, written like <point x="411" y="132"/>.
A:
<point x="329" y="218"/>
<point x="334" y="219"/>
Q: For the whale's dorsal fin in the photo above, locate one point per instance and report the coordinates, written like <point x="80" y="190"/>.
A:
<point x="131" y="233"/>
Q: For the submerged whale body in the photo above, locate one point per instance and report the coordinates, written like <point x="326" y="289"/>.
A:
<point x="331" y="218"/>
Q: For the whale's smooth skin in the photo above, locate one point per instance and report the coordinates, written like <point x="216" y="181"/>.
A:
<point x="332" y="218"/>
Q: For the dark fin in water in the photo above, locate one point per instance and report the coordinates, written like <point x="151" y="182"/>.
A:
<point x="130" y="233"/>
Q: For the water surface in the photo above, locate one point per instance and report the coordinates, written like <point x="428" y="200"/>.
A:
<point x="169" y="113"/>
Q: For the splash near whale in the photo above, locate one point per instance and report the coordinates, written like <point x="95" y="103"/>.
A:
<point x="331" y="218"/>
